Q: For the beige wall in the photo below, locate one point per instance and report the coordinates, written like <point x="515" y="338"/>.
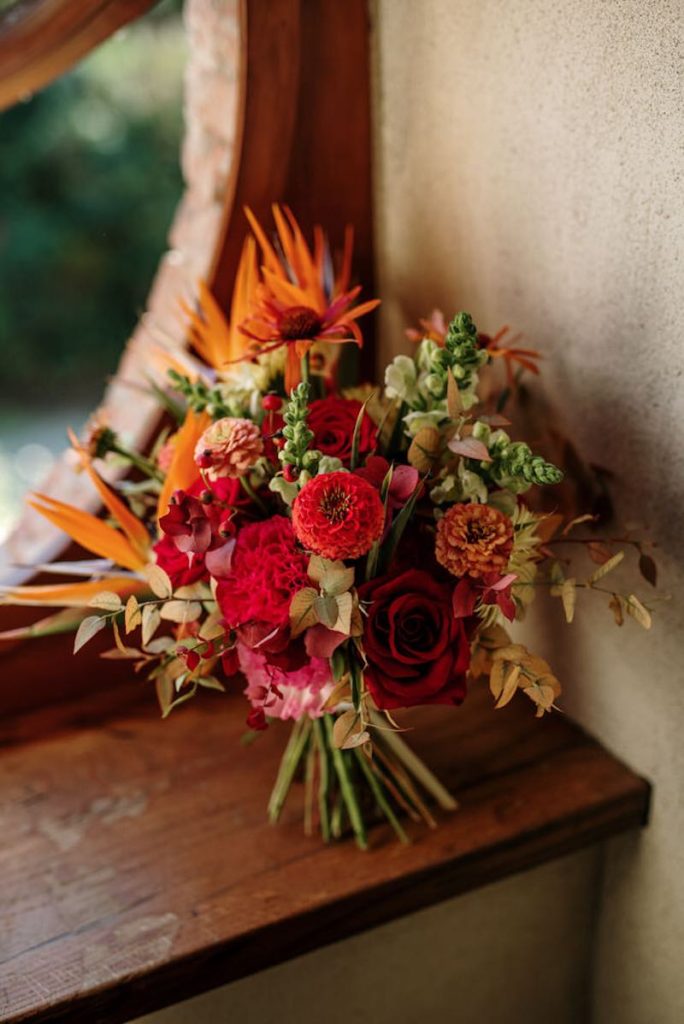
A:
<point x="529" y="170"/>
<point x="495" y="956"/>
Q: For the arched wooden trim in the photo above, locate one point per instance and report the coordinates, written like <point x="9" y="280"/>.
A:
<point x="277" y="106"/>
<point x="40" y="39"/>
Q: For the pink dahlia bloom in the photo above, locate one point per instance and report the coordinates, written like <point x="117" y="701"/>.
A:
<point x="285" y="694"/>
<point x="229" y="447"/>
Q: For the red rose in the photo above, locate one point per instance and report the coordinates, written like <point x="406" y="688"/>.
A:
<point x="333" y="420"/>
<point x="417" y="652"/>
<point x="338" y="515"/>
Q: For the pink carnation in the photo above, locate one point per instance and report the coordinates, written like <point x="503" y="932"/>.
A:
<point x="282" y="694"/>
<point x="229" y="447"/>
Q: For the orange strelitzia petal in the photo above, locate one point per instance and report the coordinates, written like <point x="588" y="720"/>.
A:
<point x="135" y="530"/>
<point x="244" y="291"/>
<point x="89" y="531"/>
<point x="209" y="330"/>
<point x="269" y="255"/>
<point x="70" y="595"/>
<point x="183" y="470"/>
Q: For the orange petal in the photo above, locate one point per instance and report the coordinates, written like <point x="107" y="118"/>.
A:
<point x="209" y="329"/>
<point x="362" y="309"/>
<point x="288" y="293"/>
<point x="267" y="251"/>
<point x="70" y="595"/>
<point x="183" y="470"/>
<point x="130" y="524"/>
<point x="89" y="531"/>
<point x="305" y="264"/>
<point x="244" y="294"/>
<point x="293" y="369"/>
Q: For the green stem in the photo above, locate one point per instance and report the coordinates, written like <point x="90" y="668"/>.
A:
<point x="140" y="462"/>
<point x="323" y="779"/>
<point x="288" y="766"/>
<point x="309" y="787"/>
<point x="347" y="788"/>
<point x="417" y="768"/>
<point x="336" y="818"/>
<point x="305" y="368"/>
<point x="379" y="795"/>
<point x="249" y="490"/>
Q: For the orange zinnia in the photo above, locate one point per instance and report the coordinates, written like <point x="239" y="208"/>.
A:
<point x="299" y="301"/>
<point x="474" y="540"/>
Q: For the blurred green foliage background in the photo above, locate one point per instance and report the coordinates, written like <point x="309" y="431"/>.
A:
<point x="89" y="178"/>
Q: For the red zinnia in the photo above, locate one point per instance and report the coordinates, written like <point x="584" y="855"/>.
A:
<point x="338" y="515"/>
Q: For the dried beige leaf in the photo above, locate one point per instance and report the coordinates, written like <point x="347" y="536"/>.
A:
<point x="509" y="687"/>
<point x="454" y="402"/>
<point x="326" y="609"/>
<point x="332" y="577"/>
<point x="639" y="613"/>
<point x="569" y="597"/>
<point x="511" y="652"/>
<point x="212" y="627"/>
<point x="159" y="581"/>
<point x="424" y="451"/>
<point x="616" y="604"/>
<point x="88" y="628"/>
<point x="180" y="612"/>
<point x="106" y="600"/>
<point x="193" y="592"/>
<point x="586" y="518"/>
<point x="496" y="679"/>
<point x="132" y="615"/>
<point x="345" y="603"/>
<point x="607" y="567"/>
<point x="150" y="622"/>
<point x="347" y="726"/>
<point x="302" y="612"/>
<point x="341" y="692"/>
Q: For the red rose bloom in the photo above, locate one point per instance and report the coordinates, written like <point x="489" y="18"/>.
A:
<point x="333" y="420"/>
<point x="338" y="515"/>
<point x="417" y="652"/>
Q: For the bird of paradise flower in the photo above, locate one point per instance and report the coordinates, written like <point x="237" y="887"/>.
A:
<point x="124" y="544"/>
<point x="293" y="300"/>
<point x="299" y="300"/>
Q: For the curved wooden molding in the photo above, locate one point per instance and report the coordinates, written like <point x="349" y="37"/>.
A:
<point x="40" y="39"/>
<point x="277" y="108"/>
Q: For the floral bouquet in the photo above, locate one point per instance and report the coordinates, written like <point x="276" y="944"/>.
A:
<point x="336" y="553"/>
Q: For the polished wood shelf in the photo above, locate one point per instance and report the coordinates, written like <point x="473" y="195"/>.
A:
<point x="137" y="868"/>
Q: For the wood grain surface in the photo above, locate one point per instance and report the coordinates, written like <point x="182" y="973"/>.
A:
<point x="137" y="868"/>
<point x="41" y="39"/>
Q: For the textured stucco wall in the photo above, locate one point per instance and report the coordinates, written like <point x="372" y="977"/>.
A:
<point x="529" y="169"/>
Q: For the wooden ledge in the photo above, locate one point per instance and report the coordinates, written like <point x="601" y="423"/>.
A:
<point x="138" y="869"/>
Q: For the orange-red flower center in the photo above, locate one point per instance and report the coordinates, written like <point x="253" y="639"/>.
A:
<point x="299" y="322"/>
